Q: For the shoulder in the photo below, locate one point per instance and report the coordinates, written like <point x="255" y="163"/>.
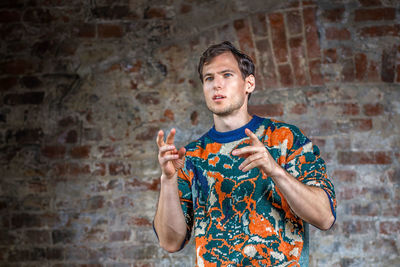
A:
<point x="278" y="131"/>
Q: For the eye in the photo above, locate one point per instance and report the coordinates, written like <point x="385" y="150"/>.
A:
<point x="208" y="79"/>
<point x="226" y="75"/>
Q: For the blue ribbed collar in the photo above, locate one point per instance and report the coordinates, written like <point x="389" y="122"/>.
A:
<point x="234" y="135"/>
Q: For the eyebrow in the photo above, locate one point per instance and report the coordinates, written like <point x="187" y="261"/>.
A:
<point x="220" y="72"/>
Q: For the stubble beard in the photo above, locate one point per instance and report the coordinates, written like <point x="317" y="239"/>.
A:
<point x="227" y="110"/>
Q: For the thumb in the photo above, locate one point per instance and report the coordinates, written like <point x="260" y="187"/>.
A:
<point x="181" y="152"/>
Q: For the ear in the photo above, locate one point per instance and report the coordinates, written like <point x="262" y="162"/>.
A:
<point x="250" y="83"/>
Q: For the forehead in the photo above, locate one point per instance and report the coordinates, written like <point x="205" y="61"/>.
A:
<point x="221" y="62"/>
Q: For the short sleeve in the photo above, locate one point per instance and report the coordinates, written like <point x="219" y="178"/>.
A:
<point x="185" y="194"/>
<point x="305" y="163"/>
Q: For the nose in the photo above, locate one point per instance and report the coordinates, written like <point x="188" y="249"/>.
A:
<point x="218" y="82"/>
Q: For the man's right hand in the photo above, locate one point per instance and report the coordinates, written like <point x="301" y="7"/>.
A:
<point x="170" y="159"/>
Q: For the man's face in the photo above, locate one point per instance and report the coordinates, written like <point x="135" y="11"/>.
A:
<point x="224" y="88"/>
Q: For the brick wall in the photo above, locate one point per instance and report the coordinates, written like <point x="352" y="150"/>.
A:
<point x="85" y="86"/>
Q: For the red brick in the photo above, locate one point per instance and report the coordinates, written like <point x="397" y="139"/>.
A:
<point x="85" y="30"/>
<point x="286" y="76"/>
<point x="365" y="209"/>
<point x="7" y="83"/>
<point x="313" y="47"/>
<point x="354" y="227"/>
<point x="30" y="98"/>
<point x="267" y="110"/>
<point x="95" y="203"/>
<point x="70" y="169"/>
<point x="9" y="16"/>
<point x="139" y="221"/>
<point x="389" y="228"/>
<point x="360" y="158"/>
<point x="373" y="109"/>
<point x="344" y="176"/>
<point x="333" y="15"/>
<point x="67" y="121"/>
<point x="348" y="193"/>
<point x="243" y="34"/>
<point x="333" y="33"/>
<point x="295" y="22"/>
<point x="350" y="108"/>
<point x="315" y="72"/>
<point x="278" y="36"/>
<point x="194" y="117"/>
<point x="37" y="237"/>
<point x="117" y="236"/>
<point x="113" y="12"/>
<point x="29" y="136"/>
<point x="26" y="220"/>
<point x="373" y="72"/>
<point x="375" y="14"/>
<point x="370" y="2"/>
<point x="388" y="65"/>
<point x="299" y="108"/>
<point x="80" y="152"/>
<point x="123" y="202"/>
<point x="184" y="9"/>
<point x="75" y="169"/>
<point x="119" y="168"/>
<point x="135" y="184"/>
<point x="110" y="151"/>
<point x="259" y="25"/>
<point x="361" y="66"/>
<point x="53" y="151"/>
<point x="148" y="98"/>
<point x="267" y="65"/>
<point x="169" y="114"/>
<point x="38" y="15"/>
<point x="225" y="32"/>
<point x="398" y="74"/>
<point x="361" y="125"/>
<point x="298" y="59"/>
<point x="110" y="31"/>
<point x="148" y="133"/>
<point x="72" y="137"/>
<point x="330" y="55"/>
<point x="155" y="13"/>
<point x="16" y="67"/>
<point x="378" y="31"/>
<point x="99" y="169"/>
<point x="30" y="82"/>
<point x="348" y="70"/>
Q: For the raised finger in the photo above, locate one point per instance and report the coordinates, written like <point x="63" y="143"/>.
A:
<point x="253" y="137"/>
<point x="245" y="150"/>
<point x="160" y="138"/>
<point x="167" y="148"/>
<point x="250" y="159"/>
<point x="171" y="136"/>
<point x="169" y="157"/>
<point x="251" y="165"/>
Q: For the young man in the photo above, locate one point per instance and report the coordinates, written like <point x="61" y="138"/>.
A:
<point x="248" y="186"/>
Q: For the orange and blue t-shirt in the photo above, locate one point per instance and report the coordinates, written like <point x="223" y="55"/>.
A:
<point x="241" y="218"/>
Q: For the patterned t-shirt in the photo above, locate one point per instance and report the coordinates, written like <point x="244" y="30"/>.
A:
<point x="241" y="218"/>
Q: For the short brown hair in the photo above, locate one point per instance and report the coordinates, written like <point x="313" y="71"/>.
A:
<point x="245" y="63"/>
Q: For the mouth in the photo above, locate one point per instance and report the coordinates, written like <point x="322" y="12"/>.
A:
<point x="218" y="97"/>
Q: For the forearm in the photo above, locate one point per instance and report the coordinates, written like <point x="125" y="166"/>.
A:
<point x="307" y="202"/>
<point x="169" y="220"/>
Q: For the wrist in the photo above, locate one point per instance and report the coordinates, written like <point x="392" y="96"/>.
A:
<point x="278" y="173"/>
<point x="171" y="179"/>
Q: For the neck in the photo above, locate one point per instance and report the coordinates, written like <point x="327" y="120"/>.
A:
<point x="231" y="122"/>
